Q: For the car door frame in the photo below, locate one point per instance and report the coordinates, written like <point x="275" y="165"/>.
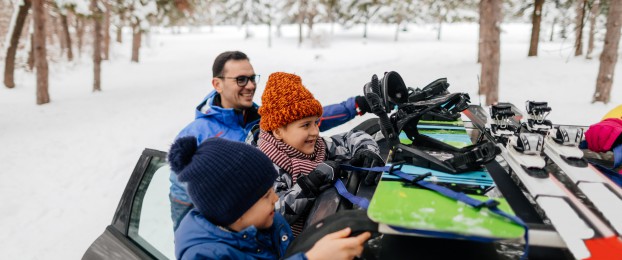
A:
<point x="116" y="241"/>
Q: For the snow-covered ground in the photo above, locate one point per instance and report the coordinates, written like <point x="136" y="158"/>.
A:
<point x="65" y="164"/>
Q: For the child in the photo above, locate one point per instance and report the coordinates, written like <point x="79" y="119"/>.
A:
<point x="231" y="185"/>
<point x="289" y="136"/>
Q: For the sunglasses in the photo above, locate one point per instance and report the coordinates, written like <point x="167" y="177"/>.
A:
<point x="243" y="80"/>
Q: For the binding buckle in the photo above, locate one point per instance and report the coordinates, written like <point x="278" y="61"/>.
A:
<point x="490" y="204"/>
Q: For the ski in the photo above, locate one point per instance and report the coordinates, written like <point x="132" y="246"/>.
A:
<point x="561" y="145"/>
<point x="585" y="235"/>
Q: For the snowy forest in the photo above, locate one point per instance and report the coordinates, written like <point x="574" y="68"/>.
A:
<point x="36" y="33"/>
<point x="87" y="85"/>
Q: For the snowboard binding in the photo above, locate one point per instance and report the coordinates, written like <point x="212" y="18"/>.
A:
<point x="408" y="115"/>
<point x="537" y="122"/>
<point x="435" y="89"/>
<point x="378" y="105"/>
<point x="453" y="160"/>
<point x="383" y="97"/>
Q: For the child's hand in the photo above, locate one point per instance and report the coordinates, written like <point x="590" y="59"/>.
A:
<point x="320" y="178"/>
<point x="368" y="158"/>
<point x="338" y="245"/>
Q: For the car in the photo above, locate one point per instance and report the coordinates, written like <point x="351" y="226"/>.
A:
<point x="142" y="228"/>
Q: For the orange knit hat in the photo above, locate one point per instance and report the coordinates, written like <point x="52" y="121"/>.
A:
<point x="286" y="100"/>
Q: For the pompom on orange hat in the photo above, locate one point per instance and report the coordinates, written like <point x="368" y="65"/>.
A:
<point x="286" y="100"/>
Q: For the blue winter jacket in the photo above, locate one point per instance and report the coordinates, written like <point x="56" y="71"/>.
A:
<point x="197" y="238"/>
<point x="214" y="121"/>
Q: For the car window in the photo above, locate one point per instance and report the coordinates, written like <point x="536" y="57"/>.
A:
<point x="151" y="225"/>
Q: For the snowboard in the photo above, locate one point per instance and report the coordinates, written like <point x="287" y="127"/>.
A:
<point x="403" y="208"/>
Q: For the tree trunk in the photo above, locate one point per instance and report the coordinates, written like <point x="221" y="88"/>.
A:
<point x="365" y="29"/>
<point x="50" y="27"/>
<point x="397" y="31"/>
<point x="578" y="43"/>
<point x="59" y="29"/>
<point x="136" y="38"/>
<point x="97" y="45"/>
<point x="66" y="36"/>
<point x="247" y="30"/>
<point x="490" y="52"/>
<point x="310" y="25"/>
<point x="30" y="61"/>
<point x="593" y="14"/>
<point x="269" y="34"/>
<point x="106" y="31"/>
<point x="80" y="27"/>
<point x="480" y="43"/>
<point x="535" y="28"/>
<point x="9" y="62"/>
<point x="300" y="20"/>
<point x="441" y="18"/>
<point x="563" y="33"/>
<point x="119" y="33"/>
<point x="41" y="63"/>
<point x="440" y="27"/>
<point x="609" y="56"/>
<point x="553" y="29"/>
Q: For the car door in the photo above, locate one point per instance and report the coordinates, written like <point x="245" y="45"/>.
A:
<point x="141" y="227"/>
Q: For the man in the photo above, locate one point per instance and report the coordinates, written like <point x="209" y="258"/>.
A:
<point x="229" y="112"/>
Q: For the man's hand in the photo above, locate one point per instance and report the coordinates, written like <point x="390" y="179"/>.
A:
<point x="338" y="245"/>
<point x="362" y="106"/>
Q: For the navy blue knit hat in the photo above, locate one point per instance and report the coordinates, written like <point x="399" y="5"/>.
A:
<point x="225" y="178"/>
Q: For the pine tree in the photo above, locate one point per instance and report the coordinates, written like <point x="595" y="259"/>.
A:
<point x="97" y="16"/>
<point x="581" y="7"/>
<point x="360" y="12"/>
<point x="594" y="13"/>
<point x="490" y="59"/>
<point x="16" y="27"/>
<point x="41" y="64"/>
<point x="138" y="13"/>
<point x="609" y="56"/>
<point x="398" y="12"/>
<point x="535" y="28"/>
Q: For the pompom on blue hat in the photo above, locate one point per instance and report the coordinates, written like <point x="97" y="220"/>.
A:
<point x="225" y="178"/>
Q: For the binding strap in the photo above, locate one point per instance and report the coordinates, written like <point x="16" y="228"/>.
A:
<point x="356" y="200"/>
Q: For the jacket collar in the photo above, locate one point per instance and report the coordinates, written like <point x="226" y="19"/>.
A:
<point x="247" y="238"/>
<point x="211" y="107"/>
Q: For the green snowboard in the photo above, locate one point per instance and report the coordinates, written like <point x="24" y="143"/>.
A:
<point x="413" y="210"/>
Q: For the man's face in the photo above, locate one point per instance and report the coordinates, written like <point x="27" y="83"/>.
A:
<point x="231" y="94"/>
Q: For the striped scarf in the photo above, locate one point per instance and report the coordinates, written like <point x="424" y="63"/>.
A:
<point x="288" y="158"/>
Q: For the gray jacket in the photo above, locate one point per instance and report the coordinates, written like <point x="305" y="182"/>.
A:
<point x="293" y="201"/>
